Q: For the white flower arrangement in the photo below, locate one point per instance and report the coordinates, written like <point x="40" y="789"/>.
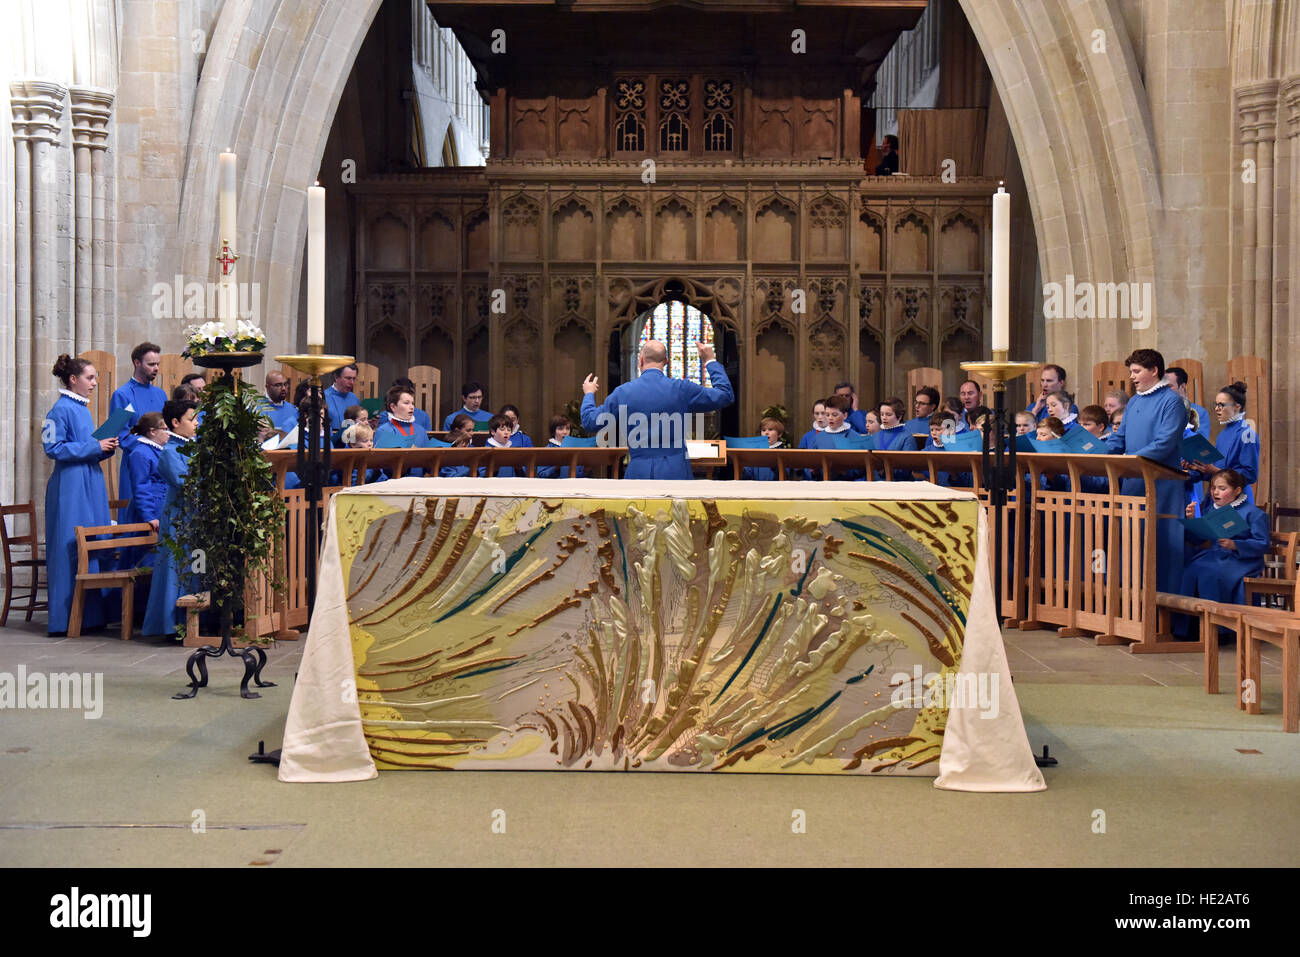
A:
<point x="217" y="337"/>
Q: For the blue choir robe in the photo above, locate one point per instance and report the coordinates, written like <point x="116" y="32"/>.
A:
<point x="897" y="439"/>
<point x="809" y="438"/>
<point x="857" y="420"/>
<point x="337" y="402"/>
<point x="140" y="399"/>
<point x="407" y="430"/>
<point x="825" y="439"/>
<point x="1238" y="443"/>
<point x="760" y="473"/>
<point x="918" y="426"/>
<point x="1153" y="427"/>
<point x="482" y="415"/>
<point x="284" y="416"/>
<point x="458" y="471"/>
<point x="654" y="394"/>
<point x="948" y="479"/>
<point x="75" y="495"/>
<point x="161" y="616"/>
<point x="1204" y="420"/>
<point x="520" y="440"/>
<point x="552" y="471"/>
<point x="1216" y="573"/>
<point x="507" y="471"/>
<point x="149" y="489"/>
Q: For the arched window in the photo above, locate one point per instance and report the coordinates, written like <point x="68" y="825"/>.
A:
<point x="680" y="328"/>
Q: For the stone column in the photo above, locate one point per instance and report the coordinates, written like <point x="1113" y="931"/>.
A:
<point x="1291" y="100"/>
<point x="37" y="113"/>
<point x="91" y="110"/>
<point x="1257" y="124"/>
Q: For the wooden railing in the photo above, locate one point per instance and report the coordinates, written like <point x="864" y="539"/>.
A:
<point x="1081" y="561"/>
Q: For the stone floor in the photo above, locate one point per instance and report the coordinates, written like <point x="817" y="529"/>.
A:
<point x="1181" y="778"/>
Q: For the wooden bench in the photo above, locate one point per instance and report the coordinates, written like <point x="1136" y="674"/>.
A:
<point x="1284" y="632"/>
<point x="104" y="538"/>
<point x="33" y="547"/>
<point x="1276" y="591"/>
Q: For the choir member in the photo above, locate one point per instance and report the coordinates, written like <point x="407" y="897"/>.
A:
<point x="837" y="413"/>
<point x="460" y="434"/>
<point x="359" y="436"/>
<point x="856" y="417"/>
<point x="1177" y="377"/>
<point x="1025" y="422"/>
<point x="282" y="413"/>
<point x="1238" y="442"/>
<point x="924" y="405"/>
<point x="893" y="435"/>
<point x="652" y="393"/>
<point x="1060" y="406"/>
<point x="1215" y="568"/>
<point x="772" y="430"/>
<point x="148" y="487"/>
<point x="355" y="415"/>
<point x="518" y="438"/>
<point x="1114" y="402"/>
<point x="339" y="395"/>
<point x="139" y="395"/>
<point x="75" y="494"/>
<point x="400" y="406"/>
<point x="819" y="423"/>
<point x="954" y="405"/>
<point x="872" y="419"/>
<point x="559" y="427"/>
<point x="422" y="420"/>
<point x="1152" y="427"/>
<point x="161" y="616"/>
<point x="471" y="394"/>
<point x="970" y="395"/>
<point x="1094" y="420"/>
<point x="1051" y="379"/>
<point x="499" y="438"/>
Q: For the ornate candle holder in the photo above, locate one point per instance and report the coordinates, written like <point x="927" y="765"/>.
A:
<point x="313" y="462"/>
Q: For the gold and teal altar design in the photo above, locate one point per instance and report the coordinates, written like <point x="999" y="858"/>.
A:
<point x="559" y="625"/>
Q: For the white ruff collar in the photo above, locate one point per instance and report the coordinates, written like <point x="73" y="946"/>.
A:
<point x="843" y="428"/>
<point x="84" y="400"/>
<point x="1237" y="418"/>
<point x="1162" y="384"/>
<point x="393" y="418"/>
<point x="150" y="442"/>
<point x="175" y="436"/>
<point x="496" y="445"/>
<point x="1236" y="502"/>
<point x="1069" y="418"/>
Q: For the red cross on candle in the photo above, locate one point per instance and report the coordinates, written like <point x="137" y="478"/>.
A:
<point x="227" y="259"/>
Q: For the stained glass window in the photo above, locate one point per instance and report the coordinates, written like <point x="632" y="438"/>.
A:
<point x="680" y="328"/>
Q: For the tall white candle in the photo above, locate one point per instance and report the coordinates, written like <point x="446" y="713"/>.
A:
<point x="1001" y="270"/>
<point x="315" y="266"/>
<point x="227" y="234"/>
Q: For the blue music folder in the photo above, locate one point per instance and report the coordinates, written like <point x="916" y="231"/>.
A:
<point x="853" y="441"/>
<point x="578" y="442"/>
<point x="1218" y="523"/>
<point x="1197" y="449"/>
<point x="969" y="441"/>
<point x="1081" y="441"/>
<point x="746" y="442"/>
<point x="114" y="424"/>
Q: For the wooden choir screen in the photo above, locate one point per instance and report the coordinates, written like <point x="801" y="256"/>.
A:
<point x="428" y="391"/>
<point x="1195" y="380"/>
<point x="1110" y="377"/>
<point x="919" y="377"/>
<point x="1253" y="371"/>
<point x="105" y="364"/>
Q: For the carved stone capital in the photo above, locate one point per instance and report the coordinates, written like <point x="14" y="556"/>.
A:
<point x="37" y="109"/>
<point x="1291" y="97"/>
<point x="1257" y="112"/>
<point x="91" y="109"/>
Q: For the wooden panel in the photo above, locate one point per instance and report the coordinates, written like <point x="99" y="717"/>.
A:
<point x="428" y="391"/>
<point x="171" y="369"/>
<point x="923" y="376"/>
<point x="1110" y="377"/>
<point x="367" y="386"/>
<point x="1195" y="380"/>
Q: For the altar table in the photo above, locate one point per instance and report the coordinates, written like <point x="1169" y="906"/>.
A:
<point x="522" y="624"/>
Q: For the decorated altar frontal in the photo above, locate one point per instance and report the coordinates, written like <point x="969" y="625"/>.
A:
<point x="665" y="626"/>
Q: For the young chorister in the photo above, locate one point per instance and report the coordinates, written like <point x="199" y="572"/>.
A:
<point x="161" y="616"/>
<point x="819" y="423"/>
<point x="1060" y="406"/>
<point x="460" y="433"/>
<point x="1026" y="422"/>
<point x="75" y="494"/>
<point x="1214" y="569"/>
<point x="559" y="427"/>
<point x="1238" y="442"/>
<point x="401" y="420"/>
<point x="519" y="439"/>
<point x="772" y="430"/>
<point x="148" y="487"/>
<point x="1094" y="420"/>
<point x="499" y="434"/>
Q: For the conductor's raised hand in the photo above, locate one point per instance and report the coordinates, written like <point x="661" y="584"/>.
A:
<point x="590" y="384"/>
<point x="706" y="352"/>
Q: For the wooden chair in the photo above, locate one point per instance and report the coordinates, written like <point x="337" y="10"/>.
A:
<point x="1253" y="371"/>
<point x="367" y="385"/>
<point x="105" y="364"/>
<point x="171" y="369"/>
<point x="920" y="377"/>
<point x="1278" y="589"/>
<point x="1110" y="377"/>
<point x="1195" y="379"/>
<point x="193" y="604"/>
<point x="1285" y="634"/>
<point x="428" y="391"/>
<point x="986" y="388"/>
<point x="1033" y="385"/>
<point x="294" y="377"/>
<point x="137" y="534"/>
<point x="35" y="562"/>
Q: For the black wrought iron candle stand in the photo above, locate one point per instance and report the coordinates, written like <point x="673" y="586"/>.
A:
<point x="254" y="658"/>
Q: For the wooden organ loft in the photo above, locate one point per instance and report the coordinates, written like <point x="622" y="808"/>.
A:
<point x="619" y="163"/>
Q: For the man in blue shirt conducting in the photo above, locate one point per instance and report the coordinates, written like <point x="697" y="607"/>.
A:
<point x="655" y="410"/>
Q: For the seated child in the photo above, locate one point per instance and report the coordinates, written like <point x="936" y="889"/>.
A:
<point x="518" y="438"/>
<point x="837" y="414"/>
<point x="872" y="419"/>
<point x="819" y="423"/>
<point x="1215" y="569"/>
<point x="360" y="436"/>
<point x="1094" y="420"/>
<point x="1025" y="423"/>
<point x="560" y="427"/>
<point x="400" y="405"/>
<point x="461" y="436"/>
<point x="357" y="415"/>
<point x="1048" y="429"/>
<point x="772" y="430"/>
<point x="499" y="429"/>
<point x="148" y="487"/>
